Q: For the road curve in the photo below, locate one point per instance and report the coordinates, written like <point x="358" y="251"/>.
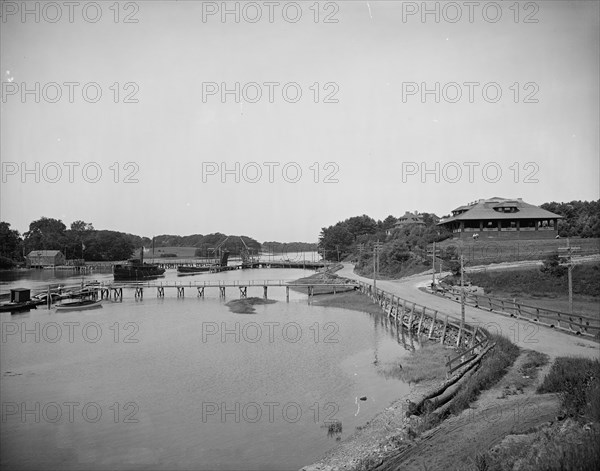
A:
<point x="525" y="334"/>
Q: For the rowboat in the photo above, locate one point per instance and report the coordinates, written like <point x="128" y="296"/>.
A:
<point x="79" y="305"/>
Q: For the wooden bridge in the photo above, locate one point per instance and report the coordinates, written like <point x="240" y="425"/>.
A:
<point x="114" y="290"/>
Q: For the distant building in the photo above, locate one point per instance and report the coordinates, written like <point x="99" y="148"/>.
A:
<point x="408" y="220"/>
<point x="45" y="258"/>
<point x="502" y="218"/>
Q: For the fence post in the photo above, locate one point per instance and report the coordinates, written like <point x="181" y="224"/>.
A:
<point x="421" y="321"/>
<point x="433" y="319"/>
<point x="444" y="331"/>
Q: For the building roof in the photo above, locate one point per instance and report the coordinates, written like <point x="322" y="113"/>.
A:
<point x="44" y="253"/>
<point x="492" y="209"/>
<point x="410" y="218"/>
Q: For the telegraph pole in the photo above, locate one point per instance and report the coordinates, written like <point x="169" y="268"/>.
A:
<point x="569" y="252"/>
<point x="434" y="253"/>
<point x="376" y="249"/>
<point x="462" y="298"/>
<point x="361" y="248"/>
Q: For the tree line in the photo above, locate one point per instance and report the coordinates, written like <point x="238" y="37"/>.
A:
<point x="82" y="241"/>
<point x="404" y="247"/>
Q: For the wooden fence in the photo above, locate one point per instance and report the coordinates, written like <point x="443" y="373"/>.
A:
<point x="422" y="320"/>
<point x="576" y="323"/>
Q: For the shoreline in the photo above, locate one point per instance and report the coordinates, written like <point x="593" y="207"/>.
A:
<point x="369" y="444"/>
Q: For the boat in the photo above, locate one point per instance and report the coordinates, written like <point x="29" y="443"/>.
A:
<point x="17" y="307"/>
<point x="20" y="300"/>
<point x="137" y="270"/>
<point x="193" y="270"/>
<point x="79" y="305"/>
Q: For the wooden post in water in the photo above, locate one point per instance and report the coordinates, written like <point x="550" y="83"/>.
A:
<point x="287" y="294"/>
<point x="49" y="299"/>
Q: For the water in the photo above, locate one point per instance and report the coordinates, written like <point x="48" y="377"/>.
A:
<point x="186" y="384"/>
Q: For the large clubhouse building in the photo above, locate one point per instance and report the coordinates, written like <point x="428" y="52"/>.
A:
<point x="502" y="218"/>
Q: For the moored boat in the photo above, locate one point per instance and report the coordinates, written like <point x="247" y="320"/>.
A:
<point x="79" y="305"/>
<point x="17" y="307"/>
<point x="137" y="270"/>
<point x="193" y="270"/>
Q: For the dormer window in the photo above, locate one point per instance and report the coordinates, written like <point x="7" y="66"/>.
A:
<point x="506" y="209"/>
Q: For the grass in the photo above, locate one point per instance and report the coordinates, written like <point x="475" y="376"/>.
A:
<point x="492" y="368"/>
<point x="577" y="380"/>
<point x="426" y="363"/>
<point x="486" y="251"/>
<point x="561" y="447"/>
<point x="570" y="444"/>
<point x="246" y="306"/>
<point x="531" y="281"/>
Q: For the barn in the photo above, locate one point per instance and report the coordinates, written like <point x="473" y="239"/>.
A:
<point x="45" y="258"/>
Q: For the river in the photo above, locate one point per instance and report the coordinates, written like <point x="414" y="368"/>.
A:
<point x="183" y="383"/>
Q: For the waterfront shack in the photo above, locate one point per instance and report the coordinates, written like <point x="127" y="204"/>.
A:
<point x="45" y="258"/>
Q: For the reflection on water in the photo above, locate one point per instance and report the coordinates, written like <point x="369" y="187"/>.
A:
<point x="168" y="383"/>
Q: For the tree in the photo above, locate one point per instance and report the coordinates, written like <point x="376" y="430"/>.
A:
<point x="45" y="234"/>
<point x="11" y="244"/>
<point x="81" y="226"/>
<point x="335" y="241"/>
<point x="360" y="225"/>
<point x="388" y="222"/>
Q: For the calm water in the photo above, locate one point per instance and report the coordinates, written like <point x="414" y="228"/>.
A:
<point x="186" y="384"/>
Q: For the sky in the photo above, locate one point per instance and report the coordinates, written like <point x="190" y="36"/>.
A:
<point x="276" y="120"/>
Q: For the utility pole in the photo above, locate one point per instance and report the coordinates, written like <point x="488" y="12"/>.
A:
<point x="376" y="249"/>
<point x="462" y="298"/>
<point x="434" y="253"/>
<point x="361" y="248"/>
<point x="569" y="252"/>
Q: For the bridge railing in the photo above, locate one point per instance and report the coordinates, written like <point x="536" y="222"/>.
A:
<point x="216" y="283"/>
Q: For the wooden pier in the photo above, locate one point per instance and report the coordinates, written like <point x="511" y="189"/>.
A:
<point x="115" y="290"/>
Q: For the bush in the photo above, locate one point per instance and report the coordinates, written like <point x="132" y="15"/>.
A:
<point x="6" y="263"/>
<point x="552" y="266"/>
<point x="577" y="381"/>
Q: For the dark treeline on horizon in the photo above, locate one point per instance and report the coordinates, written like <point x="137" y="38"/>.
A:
<point x="82" y="241"/>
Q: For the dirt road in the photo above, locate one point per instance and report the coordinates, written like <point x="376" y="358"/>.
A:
<point x="524" y="334"/>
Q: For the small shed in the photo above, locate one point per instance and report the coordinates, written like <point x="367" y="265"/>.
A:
<point x="20" y="295"/>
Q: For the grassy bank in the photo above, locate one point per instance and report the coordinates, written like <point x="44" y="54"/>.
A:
<point x="517" y="282"/>
<point x="487" y="251"/>
<point x="571" y="443"/>
<point x="425" y="364"/>
<point x="534" y="288"/>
